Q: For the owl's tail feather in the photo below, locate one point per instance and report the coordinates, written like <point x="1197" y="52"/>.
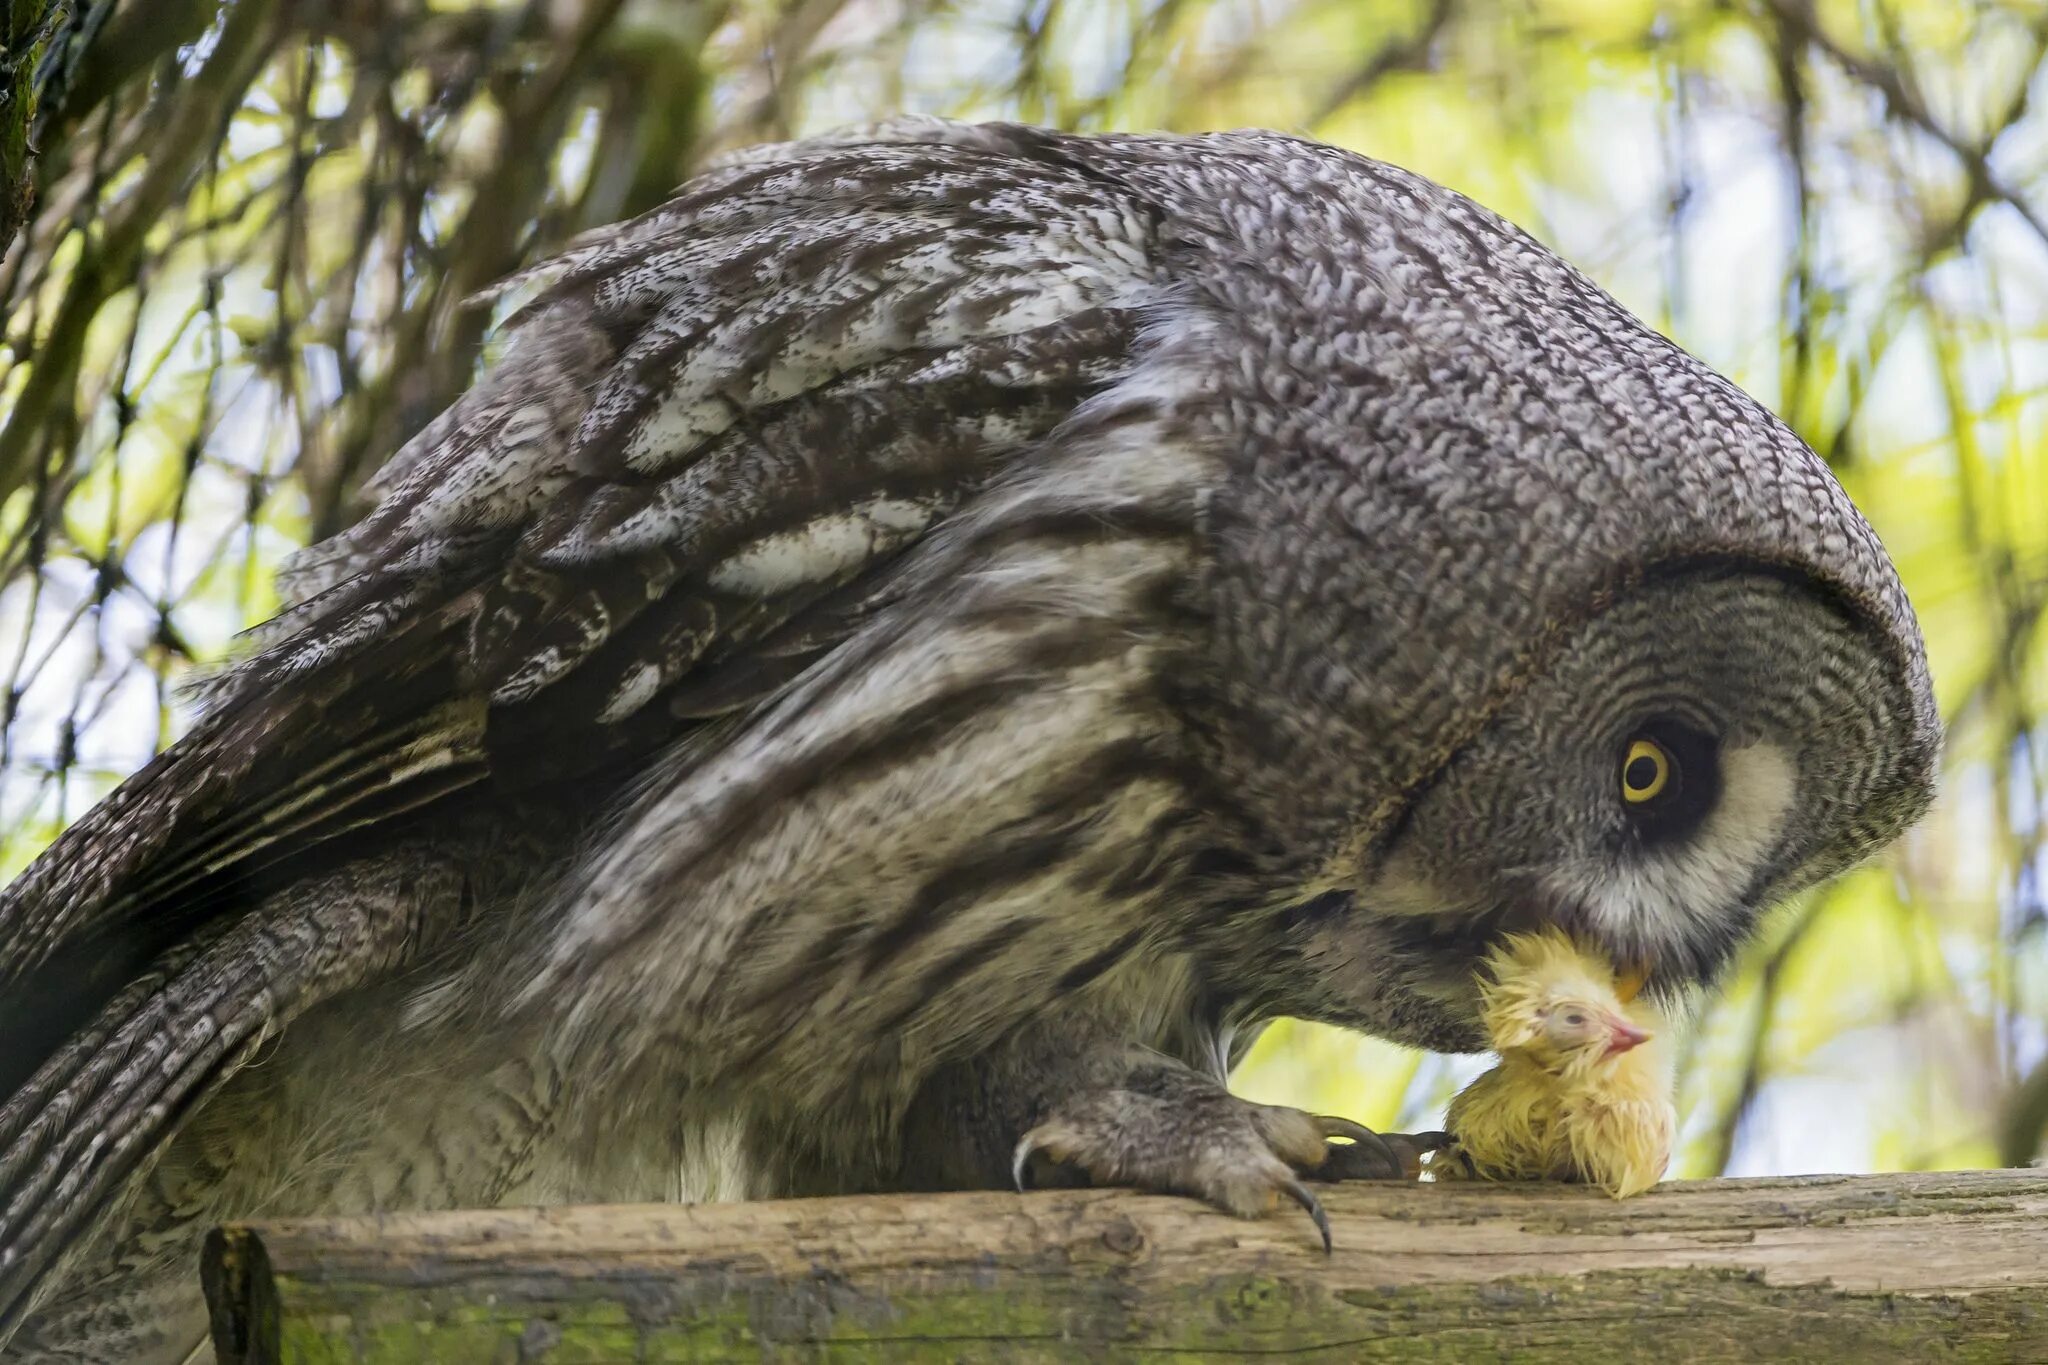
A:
<point x="195" y="887"/>
<point x="101" y="1109"/>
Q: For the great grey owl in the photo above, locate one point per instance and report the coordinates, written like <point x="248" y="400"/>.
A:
<point x="931" y="636"/>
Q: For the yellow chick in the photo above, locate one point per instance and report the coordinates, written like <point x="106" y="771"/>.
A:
<point x="1581" y="1092"/>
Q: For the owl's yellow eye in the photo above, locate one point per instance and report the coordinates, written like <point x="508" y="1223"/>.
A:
<point x="1645" y="772"/>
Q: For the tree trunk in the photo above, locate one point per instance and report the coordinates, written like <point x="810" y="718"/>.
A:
<point x="1913" y="1267"/>
<point x="26" y="27"/>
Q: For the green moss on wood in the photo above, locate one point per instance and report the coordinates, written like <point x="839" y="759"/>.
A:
<point x="1729" y="1270"/>
<point x="26" y="27"/>
<point x="1608" y="1316"/>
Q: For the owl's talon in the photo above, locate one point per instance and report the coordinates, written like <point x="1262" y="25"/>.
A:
<point x="1411" y="1148"/>
<point x="1432" y="1140"/>
<point x="1302" y="1195"/>
<point x="1022" y="1158"/>
<point x="1364" y="1143"/>
<point x="1176" y="1133"/>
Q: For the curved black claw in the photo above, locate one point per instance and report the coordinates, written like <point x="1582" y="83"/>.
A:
<point x="1302" y="1195"/>
<point x="1236" y="1155"/>
<point x="1022" y="1158"/>
<point x="1367" y="1156"/>
<point x="1412" y="1147"/>
<point x="1434" y="1140"/>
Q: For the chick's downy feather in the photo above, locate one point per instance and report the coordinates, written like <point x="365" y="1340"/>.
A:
<point x="1583" y="1088"/>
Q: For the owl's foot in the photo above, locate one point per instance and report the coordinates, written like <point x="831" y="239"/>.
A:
<point x="1409" y="1149"/>
<point x="1173" y="1132"/>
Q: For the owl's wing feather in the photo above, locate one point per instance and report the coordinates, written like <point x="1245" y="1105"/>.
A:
<point x="709" y="420"/>
<point x="712" y="429"/>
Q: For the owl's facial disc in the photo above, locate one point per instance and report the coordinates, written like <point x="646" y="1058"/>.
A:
<point x="1700" y="819"/>
<point x="1695" y="754"/>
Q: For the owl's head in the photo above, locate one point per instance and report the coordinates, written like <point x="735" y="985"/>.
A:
<point x="1524" y="616"/>
<point x="1715" y="741"/>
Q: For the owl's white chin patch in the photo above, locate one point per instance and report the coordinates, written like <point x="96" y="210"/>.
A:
<point x="1651" y="898"/>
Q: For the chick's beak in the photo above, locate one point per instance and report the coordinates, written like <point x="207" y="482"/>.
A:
<point x="1622" y="1035"/>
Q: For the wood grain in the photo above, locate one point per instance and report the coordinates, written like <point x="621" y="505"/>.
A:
<point x="1914" y="1267"/>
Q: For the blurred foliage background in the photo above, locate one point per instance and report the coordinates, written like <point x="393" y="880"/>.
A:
<point x="239" y="238"/>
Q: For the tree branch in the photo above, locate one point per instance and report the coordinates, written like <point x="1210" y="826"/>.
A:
<point x="1404" y="54"/>
<point x="2025" y="1121"/>
<point x="27" y="30"/>
<point x="1877" y="1267"/>
<point x="1903" y="101"/>
<point x="106" y="264"/>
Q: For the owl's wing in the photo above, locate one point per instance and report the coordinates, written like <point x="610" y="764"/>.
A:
<point x="713" y="429"/>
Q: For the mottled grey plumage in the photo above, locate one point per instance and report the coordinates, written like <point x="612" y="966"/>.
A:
<point x="936" y="634"/>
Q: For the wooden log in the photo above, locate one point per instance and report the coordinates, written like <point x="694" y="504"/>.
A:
<point x="1913" y="1267"/>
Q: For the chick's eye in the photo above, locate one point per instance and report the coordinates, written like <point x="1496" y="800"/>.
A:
<point x="1575" y="1019"/>
<point x="1646" y="771"/>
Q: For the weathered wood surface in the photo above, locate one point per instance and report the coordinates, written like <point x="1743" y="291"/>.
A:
<point x="1916" y="1267"/>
